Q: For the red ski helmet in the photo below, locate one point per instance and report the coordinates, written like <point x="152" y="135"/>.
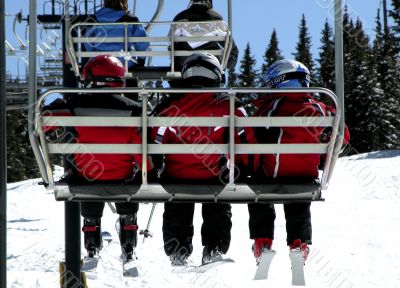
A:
<point x="104" y="70"/>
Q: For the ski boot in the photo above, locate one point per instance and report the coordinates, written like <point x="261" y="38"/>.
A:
<point x="260" y="245"/>
<point x="179" y="258"/>
<point x="128" y="236"/>
<point x="92" y="236"/>
<point x="211" y="254"/>
<point x="297" y="245"/>
<point x="178" y="251"/>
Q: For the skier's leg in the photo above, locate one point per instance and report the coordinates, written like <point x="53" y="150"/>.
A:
<point x="128" y="226"/>
<point x="92" y="213"/>
<point x="261" y="227"/>
<point x="178" y="228"/>
<point x="261" y="220"/>
<point x="92" y="209"/>
<point x="298" y="222"/>
<point x="216" y="228"/>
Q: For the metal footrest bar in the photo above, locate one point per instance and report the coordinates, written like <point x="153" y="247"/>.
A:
<point x="238" y="193"/>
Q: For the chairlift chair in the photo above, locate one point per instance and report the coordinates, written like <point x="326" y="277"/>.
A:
<point x="231" y="192"/>
<point x="166" y="192"/>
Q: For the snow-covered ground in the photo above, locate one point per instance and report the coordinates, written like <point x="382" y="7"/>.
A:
<point x="356" y="237"/>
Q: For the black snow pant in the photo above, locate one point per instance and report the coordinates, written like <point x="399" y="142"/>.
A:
<point x="178" y="226"/>
<point x="95" y="209"/>
<point x="298" y="221"/>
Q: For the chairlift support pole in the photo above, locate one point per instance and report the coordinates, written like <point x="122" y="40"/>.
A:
<point x="86" y="7"/>
<point x="230" y="15"/>
<point x="53" y="8"/>
<point x="32" y="84"/>
<point x="339" y="53"/>
<point x="339" y="71"/>
<point x="71" y="210"/>
<point x="134" y="7"/>
<point x="160" y="6"/>
<point x="3" y="154"/>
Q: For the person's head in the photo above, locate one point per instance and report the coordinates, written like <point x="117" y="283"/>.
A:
<point x="116" y="4"/>
<point x="207" y="3"/>
<point x="104" y="71"/>
<point x="287" y="73"/>
<point x="202" y="70"/>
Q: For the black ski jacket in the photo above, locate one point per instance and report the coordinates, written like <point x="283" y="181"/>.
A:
<point x="199" y="12"/>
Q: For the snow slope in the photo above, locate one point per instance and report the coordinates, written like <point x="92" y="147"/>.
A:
<point x="356" y="236"/>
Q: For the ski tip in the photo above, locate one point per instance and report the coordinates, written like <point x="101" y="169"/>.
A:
<point x="268" y="252"/>
<point x="264" y="265"/>
<point x="89" y="264"/>
<point x="182" y="269"/>
<point x="207" y="266"/>
<point x="131" y="272"/>
<point x="297" y="261"/>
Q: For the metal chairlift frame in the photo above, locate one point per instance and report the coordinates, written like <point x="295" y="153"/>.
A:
<point x="53" y="4"/>
<point x="165" y="41"/>
<point x="23" y="45"/>
<point x="231" y="192"/>
<point x="72" y="211"/>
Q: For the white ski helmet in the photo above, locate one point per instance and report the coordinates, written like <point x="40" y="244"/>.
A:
<point x="287" y="73"/>
<point x="202" y="69"/>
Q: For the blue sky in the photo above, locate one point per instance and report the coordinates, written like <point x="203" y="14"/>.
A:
<point x="253" y="20"/>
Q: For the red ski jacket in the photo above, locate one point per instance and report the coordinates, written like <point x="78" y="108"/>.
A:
<point x="291" y="165"/>
<point x="200" y="166"/>
<point x="100" y="166"/>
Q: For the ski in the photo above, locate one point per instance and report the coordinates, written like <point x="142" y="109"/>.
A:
<point x="89" y="264"/>
<point x="264" y="264"/>
<point x="182" y="268"/>
<point x="129" y="265"/>
<point x="130" y="269"/>
<point x="297" y="261"/>
<point x="207" y="266"/>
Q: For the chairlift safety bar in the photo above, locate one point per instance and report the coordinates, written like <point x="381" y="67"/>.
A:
<point x="165" y="42"/>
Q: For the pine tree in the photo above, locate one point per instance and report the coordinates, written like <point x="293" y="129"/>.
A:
<point x="21" y="162"/>
<point x="395" y="14"/>
<point x="272" y="54"/>
<point x="303" y="47"/>
<point x="232" y="78"/>
<point x="348" y="27"/>
<point x="386" y="68"/>
<point x="15" y="165"/>
<point x="248" y="74"/>
<point x="326" y="70"/>
<point x="360" y="85"/>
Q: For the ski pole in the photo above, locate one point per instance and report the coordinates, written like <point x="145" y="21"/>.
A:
<point x="113" y="210"/>
<point x="146" y="233"/>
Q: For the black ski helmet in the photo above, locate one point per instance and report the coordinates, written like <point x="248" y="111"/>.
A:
<point x="202" y="2"/>
<point x="202" y="69"/>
